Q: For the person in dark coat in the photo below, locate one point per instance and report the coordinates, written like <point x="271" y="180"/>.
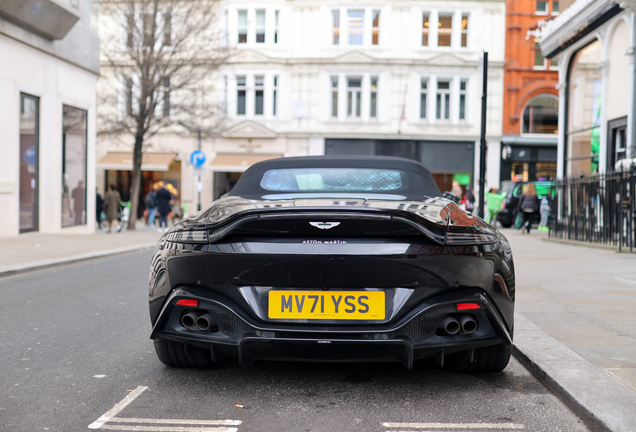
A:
<point x="528" y="206"/>
<point x="163" y="206"/>
<point x="99" y="208"/>
<point x="111" y="206"/>
<point x="78" y="195"/>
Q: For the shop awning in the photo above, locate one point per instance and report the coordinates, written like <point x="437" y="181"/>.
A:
<point x="123" y="161"/>
<point x="237" y="162"/>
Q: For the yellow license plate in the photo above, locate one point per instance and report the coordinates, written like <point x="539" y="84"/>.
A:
<point x="334" y="305"/>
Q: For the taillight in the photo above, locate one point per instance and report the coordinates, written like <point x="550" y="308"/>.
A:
<point x="188" y="236"/>
<point x="188" y="302"/>
<point x="503" y="204"/>
<point x="467" y="306"/>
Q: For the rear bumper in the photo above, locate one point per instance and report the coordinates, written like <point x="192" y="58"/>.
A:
<point x="413" y="336"/>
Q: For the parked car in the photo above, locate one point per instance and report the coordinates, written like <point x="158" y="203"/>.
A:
<point x="336" y="259"/>
<point x="514" y="190"/>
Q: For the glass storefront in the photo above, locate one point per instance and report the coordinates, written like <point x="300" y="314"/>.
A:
<point x="73" y="166"/>
<point x="584" y="111"/>
<point x="29" y="140"/>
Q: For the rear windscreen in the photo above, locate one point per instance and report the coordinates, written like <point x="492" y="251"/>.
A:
<point x="333" y="180"/>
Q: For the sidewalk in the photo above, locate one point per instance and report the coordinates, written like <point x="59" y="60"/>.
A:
<point x="575" y="311"/>
<point x="35" y="250"/>
<point x="576" y="325"/>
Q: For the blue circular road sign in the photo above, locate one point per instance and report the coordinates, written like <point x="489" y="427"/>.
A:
<point x="197" y="158"/>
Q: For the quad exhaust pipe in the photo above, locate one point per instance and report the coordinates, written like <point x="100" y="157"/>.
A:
<point x="464" y="324"/>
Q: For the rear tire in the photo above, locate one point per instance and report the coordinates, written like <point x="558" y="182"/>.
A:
<point x="177" y="354"/>
<point x="488" y="359"/>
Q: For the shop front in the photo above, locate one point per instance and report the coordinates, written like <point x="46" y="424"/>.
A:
<point x="156" y="169"/>
<point x="449" y="161"/>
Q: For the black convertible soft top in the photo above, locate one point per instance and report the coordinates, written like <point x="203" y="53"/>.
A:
<point x="420" y="182"/>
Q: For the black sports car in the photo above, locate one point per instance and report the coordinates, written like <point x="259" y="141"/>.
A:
<point x="334" y="259"/>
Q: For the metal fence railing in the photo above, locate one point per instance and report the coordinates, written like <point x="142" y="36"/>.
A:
<point x="598" y="209"/>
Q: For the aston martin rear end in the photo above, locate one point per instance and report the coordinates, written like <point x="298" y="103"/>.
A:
<point x="334" y="259"/>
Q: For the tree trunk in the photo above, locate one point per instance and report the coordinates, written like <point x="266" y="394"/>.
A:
<point x="136" y="181"/>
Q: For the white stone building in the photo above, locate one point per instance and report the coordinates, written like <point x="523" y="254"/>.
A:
<point x="593" y="42"/>
<point x="308" y="77"/>
<point x="49" y="64"/>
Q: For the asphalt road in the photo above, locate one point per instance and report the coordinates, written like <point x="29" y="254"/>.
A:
<point x="74" y="353"/>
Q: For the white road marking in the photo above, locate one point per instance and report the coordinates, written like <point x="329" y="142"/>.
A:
<point x="455" y="425"/>
<point x="135" y="424"/>
<point x="169" y="428"/>
<point x="117" y="408"/>
<point x="99" y="376"/>
<point x="177" y="421"/>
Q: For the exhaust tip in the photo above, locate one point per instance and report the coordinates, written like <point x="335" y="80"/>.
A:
<point x="205" y="322"/>
<point x="468" y="324"/>
<point x="450" y="325"/>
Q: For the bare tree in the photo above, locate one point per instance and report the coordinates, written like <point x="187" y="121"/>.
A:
<point x="158" y="60"/>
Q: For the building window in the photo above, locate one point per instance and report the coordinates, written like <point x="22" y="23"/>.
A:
<point x="259" y="93"/>
<point x="242" y="26"/>
<point x="167" y="28"/>
<point x="375" y="30"/>
<point x="275" y="96"/>
<point x="354" y="97"/>
<point x="374" y="98"/>
<point x="356" y="26"/>
<point x="128" y="96"/>
<point x="334" y="96"/>
<point x="542" y="7"/>
<point x="541" y="115"/>
<point x="462" y="99"/>
<point x="276" y="18"/>
<point x="554" y="64"/>
<point x="425" y="28"/>
<point x="423" y="97"/>
<point x="73" y="166"/>
<point x="464" y="39"/>
<point x="29" y="155"/>
<point x="240" y="95"/>
<point x="260" y="26"/>
<point x="539" y="60"/>
<point x="444" y="30"/>
<point x="555" y="8"/>
<point x="335" y="15"/>
<point x="165" y="84"/>
<point x="443" y="100"/>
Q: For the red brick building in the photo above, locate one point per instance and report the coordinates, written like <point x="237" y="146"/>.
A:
<point x="530" y="111"/>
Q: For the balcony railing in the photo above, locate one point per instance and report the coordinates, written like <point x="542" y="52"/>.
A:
<point x="597" y="209"/>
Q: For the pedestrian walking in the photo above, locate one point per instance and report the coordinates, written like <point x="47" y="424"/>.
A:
<point x="111" y="206"/>
<point x="151" y="205"/>
<point x="163" y="207"/>
<point x="457" y="189"/>
<point x="99" y="208"/>
<point x="528" y="205"/>
<point x="470" y="199"/>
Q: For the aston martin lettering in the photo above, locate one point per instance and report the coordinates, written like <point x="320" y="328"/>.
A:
<point x="324" y="242"/>
<point x="324" y="225"/>
<point x="339" y="305"/>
